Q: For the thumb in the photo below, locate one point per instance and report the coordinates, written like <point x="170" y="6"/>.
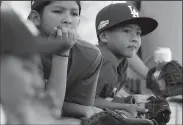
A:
<point x="141" y="109"/>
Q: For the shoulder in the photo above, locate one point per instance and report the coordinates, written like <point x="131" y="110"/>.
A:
<point x="86" y="49"/>
<point x="108" y="56"/>
<point x="82" y="44"/>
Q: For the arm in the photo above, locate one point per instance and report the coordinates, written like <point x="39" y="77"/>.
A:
<point x="133" y="109"/>
<point x="56" y="86"/>
<point x="138" y="66"/>
<point x="102" y="103"/>
<point x="80" y="100"/>
<point x="73" y="108"/>
<point x="78" y="110"/>
<point x="57" y="81"/>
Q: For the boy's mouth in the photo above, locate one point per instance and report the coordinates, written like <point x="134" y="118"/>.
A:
<point x="132" y="47"/>
<point x="66" y="26"/>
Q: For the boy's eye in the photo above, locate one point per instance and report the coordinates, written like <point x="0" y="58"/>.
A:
<point x="75" y="14"/>
<point x="138" y="33"/>
<point x="127" y="31"/>
<point x="58" y="11"/>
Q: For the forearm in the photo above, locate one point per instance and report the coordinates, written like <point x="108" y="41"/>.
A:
<point x="102" y="103"/>
<point x="119" y="99"/>
<point x="73" y="110"/>
<point x="57" y="81"/>
<point x="138" y="66"/>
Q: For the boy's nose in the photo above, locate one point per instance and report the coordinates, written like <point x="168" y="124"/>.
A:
<point x="67" y="20"/>
<point x="134" y="37"/>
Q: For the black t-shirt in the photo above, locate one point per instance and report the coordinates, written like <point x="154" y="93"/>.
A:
<point x="112" y="75"/>
<point x="83" y="69"/>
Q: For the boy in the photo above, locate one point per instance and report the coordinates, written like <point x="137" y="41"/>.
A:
<point x="119" y="29"/>
<point x="84" y="58"/>
<point x="22" y="96"/>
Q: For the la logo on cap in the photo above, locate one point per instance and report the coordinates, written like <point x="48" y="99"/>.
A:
<point x="133" y="12"/>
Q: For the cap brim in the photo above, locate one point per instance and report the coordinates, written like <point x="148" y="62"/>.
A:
<point x="16" y="37"/>
<point x="146" y="24"/>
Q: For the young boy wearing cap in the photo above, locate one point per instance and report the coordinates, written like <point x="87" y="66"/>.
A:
<point x="22" y="96"/>
<point x="84" y="59"/>
<point x="119" y="29"/>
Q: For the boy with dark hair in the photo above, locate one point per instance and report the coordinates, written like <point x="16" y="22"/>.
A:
<point x="60" y="19"/>
<point x="119" y="29"/>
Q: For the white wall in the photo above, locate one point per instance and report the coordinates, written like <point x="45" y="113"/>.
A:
<point x="169" y="31"/>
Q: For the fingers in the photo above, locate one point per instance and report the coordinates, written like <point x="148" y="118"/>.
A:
<point x="141" y="109"/>
<point x="97" y="110"/>
<point x="53" y="34"/>
<point x="59" y="33"/>
<point x="65" y="34"/>
<point x="73" y="35"/>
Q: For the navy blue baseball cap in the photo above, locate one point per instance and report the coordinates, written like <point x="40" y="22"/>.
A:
<point x="123" y="13"/>
<point x="36" y="3"/>
<point x="17" y="38"/>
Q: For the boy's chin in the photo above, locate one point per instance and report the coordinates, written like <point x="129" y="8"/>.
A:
<point x="130" y="55"/>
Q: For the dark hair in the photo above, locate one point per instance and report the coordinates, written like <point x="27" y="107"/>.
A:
<point x="40" y="8"/>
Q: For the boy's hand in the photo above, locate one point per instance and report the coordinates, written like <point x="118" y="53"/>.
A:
<point x="91" y="110"/>
<point x="67" y="37"/>
<point x="134" y="109"/>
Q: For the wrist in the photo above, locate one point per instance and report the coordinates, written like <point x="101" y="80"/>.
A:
<point x="63" y="54"/>
<point x="124" y="106"/>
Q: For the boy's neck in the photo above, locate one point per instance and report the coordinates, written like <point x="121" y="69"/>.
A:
<point x="119" y="59"/>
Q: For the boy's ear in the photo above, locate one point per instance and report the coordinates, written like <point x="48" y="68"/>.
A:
<point x="35" y="17"/>
<point x="103" y="37"/>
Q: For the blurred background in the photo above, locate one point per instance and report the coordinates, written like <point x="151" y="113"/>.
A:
<point x="168" y="34"/>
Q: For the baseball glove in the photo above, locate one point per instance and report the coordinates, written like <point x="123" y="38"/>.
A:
<point x="115" y="117"/>
<point x="159" y="110"/>
<point x="170" y="75"/>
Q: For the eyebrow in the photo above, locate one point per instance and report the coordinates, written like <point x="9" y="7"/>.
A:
<point x="61" y="7"/>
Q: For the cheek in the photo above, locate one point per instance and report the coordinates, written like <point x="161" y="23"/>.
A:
<point x="139" y="43"/>
<point x="49" y="21"/>
<point x="75" y="23"/>
<point x="120" y="41"/>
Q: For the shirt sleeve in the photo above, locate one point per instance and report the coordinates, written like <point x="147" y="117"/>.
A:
<point x="85" y="90"/>
<point x="107" y="79"/>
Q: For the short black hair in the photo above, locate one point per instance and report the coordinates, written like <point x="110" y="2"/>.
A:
<point x="41" y="7"/>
